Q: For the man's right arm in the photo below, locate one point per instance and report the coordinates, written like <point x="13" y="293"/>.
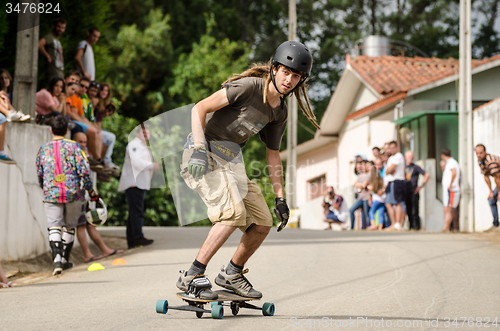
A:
<point x="488" y="183"/>
<point x="199" y="113"/>
<point x="79" y="63"/>
<point x="41" y="48"/>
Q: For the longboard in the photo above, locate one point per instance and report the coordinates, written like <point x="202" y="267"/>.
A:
<point x="225" y="298"/>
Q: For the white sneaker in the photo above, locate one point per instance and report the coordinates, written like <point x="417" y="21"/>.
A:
<point x="13" y="116"/>
<point x="24" y="117"/>
<point x="397" y="226"/>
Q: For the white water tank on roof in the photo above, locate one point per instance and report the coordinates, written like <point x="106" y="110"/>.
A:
<point x="372" y="46"/>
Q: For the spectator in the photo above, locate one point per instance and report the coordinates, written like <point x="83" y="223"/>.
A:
<point x="76" y="114"/>
<point x="335" y="207"/>
<point x="376" y="152"/>
<point x="4" y="281"/>
<point x="135" y="180"/>
<point x="83" y="225"/>
<point x="376" y="186"/>
<point x="451" y="187"/>
<point x="490" y="166"/>
<point x="106" y="108"/>
<point x="6" y="87"/>
<point x="88" y="110"/>
<point x="412" y="171"/>
<point x="51" y="101"/>
<point x="93" y="92"/>
<point x="395" y="178"/>
<point x="4" y="112"/>
<point x="50" y="47"/>
<point x="362" y="195"/>
<point x="85" y="55"/>
<point x="61" y="167"/>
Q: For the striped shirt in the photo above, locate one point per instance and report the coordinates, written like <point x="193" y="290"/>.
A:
<point x="61" y="167"/>
<point x="490" y="165"/>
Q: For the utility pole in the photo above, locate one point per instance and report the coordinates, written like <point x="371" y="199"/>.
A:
<point x="465" y="134"/>
<point x="291" y="171"/>
<point x="25" y="75"/>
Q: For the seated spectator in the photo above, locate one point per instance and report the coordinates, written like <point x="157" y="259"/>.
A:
<point x="76" y="113"/>
<point x="51" y="102"/>
<point x="336" y="210"/>
<point x="4" y="112"/>
<point x="103" y="109"/>
<point x="83" y="225"/>
<point x="93" y="93"/>
<point x="362" y="195"/>
<point x="4" y="281"/>
<point x="6" y="87"/>
<point x="378" y="197"/>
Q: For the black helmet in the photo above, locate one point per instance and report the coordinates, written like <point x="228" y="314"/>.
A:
<point x="294" y="55"/>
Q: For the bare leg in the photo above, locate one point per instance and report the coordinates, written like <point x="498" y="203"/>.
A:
<point x="82" y="239"/>
<point x="3" y="278"/>
<point x="215" y="239"/>
<point x="392" y="215"/>
<point x="400" y="214"/>
<point x="447" y="219"/>
<point x="94" y="142"/>
<point x="250" y="242"/>
<point x="97" y="239"/>
<point x="104" y="149"/>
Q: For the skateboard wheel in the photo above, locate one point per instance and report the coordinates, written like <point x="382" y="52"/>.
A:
<point x="217" y="312"/>
<point x="268" y="309"/>
<point x="161" y="306"/>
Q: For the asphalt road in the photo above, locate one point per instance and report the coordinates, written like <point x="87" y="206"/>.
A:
<point x="316" y="279"/>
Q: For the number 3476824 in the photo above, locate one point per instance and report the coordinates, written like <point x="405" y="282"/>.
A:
<point x="27" y="7"/>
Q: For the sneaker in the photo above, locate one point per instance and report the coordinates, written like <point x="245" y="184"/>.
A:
<point x="57" y="268"/>
<point x="397" y="226"/>
<point x="141" y="242"/>
<point x="199" y="285"/>
<point x="6" y="159"/>
<point x="237" y="283"/>
<point x="23" y="117"/>
<point x="112" y="166"/>
<point x="13" y="116"/>
<point x="111" y="170"/>
<point x="67" y="265"/>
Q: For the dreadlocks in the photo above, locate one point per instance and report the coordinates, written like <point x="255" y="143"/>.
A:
<point x="262" y="70"/>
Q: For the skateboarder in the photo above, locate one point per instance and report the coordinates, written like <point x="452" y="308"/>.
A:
<point x="249" y="103"/>
<point x="61" y="167"/>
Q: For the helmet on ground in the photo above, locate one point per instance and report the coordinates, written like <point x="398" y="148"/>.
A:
<point x="294" y="55"/>
<point x="95" y="212"/>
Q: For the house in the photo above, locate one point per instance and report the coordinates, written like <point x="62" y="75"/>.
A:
<point x="374" y="99"/>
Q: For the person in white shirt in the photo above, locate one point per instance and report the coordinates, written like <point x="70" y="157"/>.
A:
<point x="85" y="54"/>
<point x="396" y="184"/>
<point x="135" y="180"/>
<point x="451" y="187"/>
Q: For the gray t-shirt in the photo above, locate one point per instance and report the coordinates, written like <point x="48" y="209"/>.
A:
<point x="87" y="58"/>
<point x="245" y="116"/>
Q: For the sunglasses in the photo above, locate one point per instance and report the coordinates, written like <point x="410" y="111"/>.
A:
<point x="84" y="86"/>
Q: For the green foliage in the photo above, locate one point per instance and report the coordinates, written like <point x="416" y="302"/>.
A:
<point x="200" y="73"/>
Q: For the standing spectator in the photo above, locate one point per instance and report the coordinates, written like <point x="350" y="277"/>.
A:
<point x="135" y="180"/>
<point x="6" y="87"/>
<point x="395" y="178"/>
<point x="85" y="55"/>
<point x="51" y="48"/>
<point x="490" y="166"/>
<point x="412" y="171"/>
<point x="376" y="186"/>
<point x="376" y="152"/>
<point x="362" y="195"/>
<point x="451" y="186"/>
<point x="61" y="167"/>
<point x="51" y="101"/>
<point x="335" y="209"/>
<point x="83" y="225"/>
<point x="4" y="106"/>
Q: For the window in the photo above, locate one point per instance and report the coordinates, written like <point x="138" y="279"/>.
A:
<point x="316" y="187"/>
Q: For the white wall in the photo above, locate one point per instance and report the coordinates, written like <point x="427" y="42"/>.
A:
<point x="486" y="132"/>
<point x="23" y="226"/>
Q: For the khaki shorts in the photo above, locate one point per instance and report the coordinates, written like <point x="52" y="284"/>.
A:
<point x="231" y="198"/>
<point x="63" y="214"/>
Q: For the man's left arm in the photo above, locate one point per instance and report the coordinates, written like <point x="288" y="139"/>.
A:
<point x="453" y="175"/>
<point x="496" y="177"/>
<point x="276" y="175"/>
<point x="426" y="179"/>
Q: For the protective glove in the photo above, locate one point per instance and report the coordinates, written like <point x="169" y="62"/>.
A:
<point x="282" y="213"/>
<point x="197" y="164"/>
<point x="93" y="195"/>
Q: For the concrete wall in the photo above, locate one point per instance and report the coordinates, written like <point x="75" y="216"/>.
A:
<point x="486" y="132"/>
<point x="23" y="226"/>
